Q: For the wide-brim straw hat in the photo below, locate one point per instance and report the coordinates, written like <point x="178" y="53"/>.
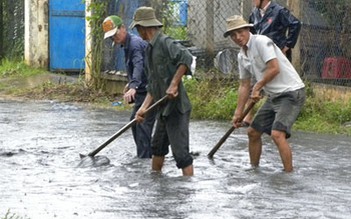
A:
<point x="145" y="16"/>
<point x="235" y="22"/>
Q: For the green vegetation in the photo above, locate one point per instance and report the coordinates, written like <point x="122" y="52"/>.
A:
<point x="19" y="69"/>
<point x="12" y="29"/>
<point x="216" y="99"/>
<point x="98" y="10"/>
<point x="178" y="33"/>
<point x="13" y="74"/>
<point x="213" y="97"/>
<point x="325" y="117"/>
<point x="17" y="80"/>
<point x="330" y="8"/>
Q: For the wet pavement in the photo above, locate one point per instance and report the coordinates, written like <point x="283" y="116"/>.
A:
<point x="43" y="177"/>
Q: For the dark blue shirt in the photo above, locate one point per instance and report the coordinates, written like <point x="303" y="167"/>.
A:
<point x="278" y="24"/>
<point x="134" y="50"/>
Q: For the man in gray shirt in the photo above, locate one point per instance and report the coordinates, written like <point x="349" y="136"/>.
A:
<point x="166" y="63"/>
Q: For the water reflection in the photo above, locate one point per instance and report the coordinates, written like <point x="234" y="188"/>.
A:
<point x="40" y="143"/>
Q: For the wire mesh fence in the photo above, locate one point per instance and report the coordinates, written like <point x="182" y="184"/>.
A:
<point x="11" y="29"/>
<point x="322" y="54"/>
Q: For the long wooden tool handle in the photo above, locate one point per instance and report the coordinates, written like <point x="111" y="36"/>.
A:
<point x="124" y="128"/>
<point x="227" y="134"/>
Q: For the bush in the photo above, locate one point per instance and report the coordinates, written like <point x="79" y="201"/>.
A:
<point x="215" y="99"/>
<point x="211" y="98"/>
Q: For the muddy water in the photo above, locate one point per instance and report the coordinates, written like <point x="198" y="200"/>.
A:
<point x="40" y="143"/>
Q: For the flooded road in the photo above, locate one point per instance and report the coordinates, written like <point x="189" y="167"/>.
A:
<point x="40" y="143"/>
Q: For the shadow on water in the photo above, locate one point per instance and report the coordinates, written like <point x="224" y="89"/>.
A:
<point x="44" y="177"/>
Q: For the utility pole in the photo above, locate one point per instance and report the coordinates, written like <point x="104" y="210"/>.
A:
<point x="209" y="33"/>
<point x="295" y="7"/>
<point x="88" y="43"/>
<point x="1" y="29"/>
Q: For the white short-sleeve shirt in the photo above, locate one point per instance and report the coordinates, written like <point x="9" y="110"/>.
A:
<point x="261" y="49"/>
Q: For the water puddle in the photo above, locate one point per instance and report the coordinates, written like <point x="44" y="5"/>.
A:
<point x="43" y="175"/>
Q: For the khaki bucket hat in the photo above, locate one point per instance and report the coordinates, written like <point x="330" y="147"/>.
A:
<point x="145" y="16"/>
<point x="235" y="22"/>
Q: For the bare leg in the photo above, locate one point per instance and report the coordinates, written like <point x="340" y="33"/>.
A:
<point x="284" y="149"/>
<point x="188" y="171"/>
<point x="157" y="163"/>
<point x="255" y="146"/>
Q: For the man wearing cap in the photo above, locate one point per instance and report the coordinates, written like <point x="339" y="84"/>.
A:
<point x="166" y="63"/>
<point x="260" y="58"/>
<point x="135" y="91"/>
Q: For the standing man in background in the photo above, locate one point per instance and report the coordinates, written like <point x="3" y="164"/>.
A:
<point x="135" y="91"/>
<point x="166" y="62"/>
<point x="276" y="22"/>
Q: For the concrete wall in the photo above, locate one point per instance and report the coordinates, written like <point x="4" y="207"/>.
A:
<point x="36" y="33"/>
<point x="332" y="92"/>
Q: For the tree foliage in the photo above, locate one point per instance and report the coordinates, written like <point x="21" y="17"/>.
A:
<point x="330" y="8"/>
<point x="98" y="9"/>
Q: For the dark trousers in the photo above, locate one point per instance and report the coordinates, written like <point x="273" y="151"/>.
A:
<point x="173" y="130"/>
<point x="142" y="132"/>
<point x="289" y="55"/>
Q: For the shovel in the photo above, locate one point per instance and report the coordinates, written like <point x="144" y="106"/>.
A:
<point x="227" y="134"/>
<point x="122" y="130"/>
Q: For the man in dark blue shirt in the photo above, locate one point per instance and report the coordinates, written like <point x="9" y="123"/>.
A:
<point x="135" y="91"/>
<point x="277" y="23"/>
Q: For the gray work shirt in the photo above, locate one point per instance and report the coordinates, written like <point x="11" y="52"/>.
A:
<point x="164" y="55"/>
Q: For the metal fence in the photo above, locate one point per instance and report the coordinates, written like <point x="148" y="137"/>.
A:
<point x="11" y="29"/>
<point x="322" y="54"/>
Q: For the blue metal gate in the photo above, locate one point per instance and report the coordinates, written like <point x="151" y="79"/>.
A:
<point x="67" y="35"/>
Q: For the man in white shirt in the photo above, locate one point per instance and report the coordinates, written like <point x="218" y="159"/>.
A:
<point x="260" y="58"/>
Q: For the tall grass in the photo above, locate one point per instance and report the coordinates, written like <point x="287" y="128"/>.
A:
<point x="216" y="99"/>
<point x="211" y="99"/>
<point x="10" y="68"/>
